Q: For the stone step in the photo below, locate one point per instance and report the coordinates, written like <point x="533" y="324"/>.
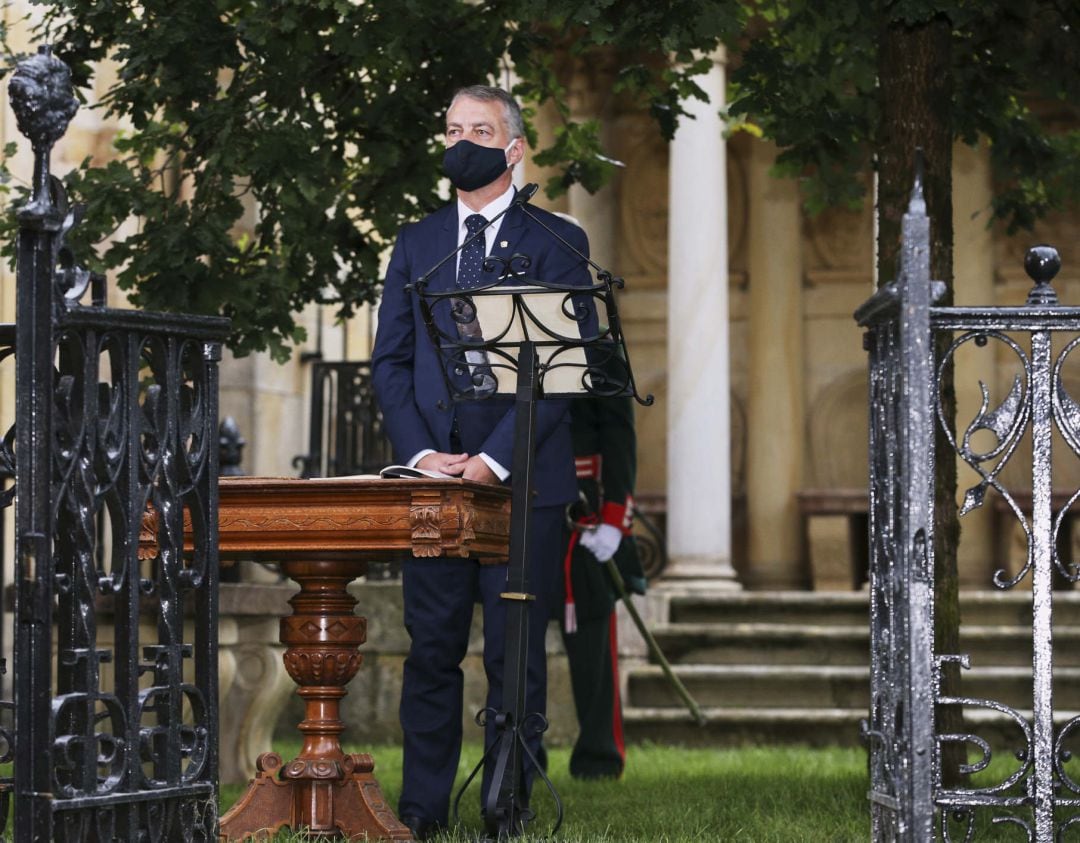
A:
<point x="816" y="608"/>
<point x="783" y="643"/>
<point x="791" y="667"/>
<point x="803" y="726"/>
<point x="841" y="687"/>
<point x="797" y="607"/>
<point x="745" y="726"/>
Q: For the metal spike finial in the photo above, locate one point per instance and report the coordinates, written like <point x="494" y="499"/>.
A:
<point x="917" y="203"/>
<point x="1042" y="263"/>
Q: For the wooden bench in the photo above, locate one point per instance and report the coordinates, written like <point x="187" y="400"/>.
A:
<point x="852" y="505"/>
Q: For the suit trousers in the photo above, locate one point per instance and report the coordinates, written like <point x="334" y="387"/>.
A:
<point x="439" y="596"/>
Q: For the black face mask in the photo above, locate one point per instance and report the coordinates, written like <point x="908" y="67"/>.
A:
<point x="470" y="166"/>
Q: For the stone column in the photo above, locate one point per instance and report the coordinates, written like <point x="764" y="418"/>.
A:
<point x="545" y="122"/>
<point x="596" y="213"/>
<point x="973" y="267"/>
<point x="589" y="89"/>
<point x="775" y="417"/>
<point x="698" y="437"/>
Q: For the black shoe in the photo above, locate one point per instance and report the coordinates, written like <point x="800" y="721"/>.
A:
<point x="421" y="829"/>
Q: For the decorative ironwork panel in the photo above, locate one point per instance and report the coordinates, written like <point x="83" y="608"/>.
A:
<point x="346" y="426"/>
<point x="1023" y="753"/>
<point x="1018" y="769"/>
<point x="116" y="420"/>
<point x="900" y="727"/>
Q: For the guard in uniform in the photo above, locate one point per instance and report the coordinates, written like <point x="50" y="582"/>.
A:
<point x="605" y="458"/>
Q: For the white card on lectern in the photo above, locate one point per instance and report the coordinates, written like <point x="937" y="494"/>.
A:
<point x="539" y="306"/>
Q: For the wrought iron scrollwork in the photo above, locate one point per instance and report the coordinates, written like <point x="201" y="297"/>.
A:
<point x="1025" y="752"/>
<point x="513" y="268"/>
<point x="1066" y="414"/>
<point x="1006" y="422"/>
<point x="115" y="432"/>
<point x="347" y="434"/>
<point x="1037" y="794"/>
<point x="7" y="467"/>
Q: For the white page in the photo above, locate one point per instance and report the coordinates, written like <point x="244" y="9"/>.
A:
<point x="497" y="314"/>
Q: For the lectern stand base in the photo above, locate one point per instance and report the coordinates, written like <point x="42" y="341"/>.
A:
<point x="351" y="807"/>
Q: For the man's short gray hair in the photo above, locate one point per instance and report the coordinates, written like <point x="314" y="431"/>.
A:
<point x="515" y="124"/>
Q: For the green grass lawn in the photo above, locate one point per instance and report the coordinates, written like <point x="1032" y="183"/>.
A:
<point x="678" y="795"/>
<point x="672" y="795"/>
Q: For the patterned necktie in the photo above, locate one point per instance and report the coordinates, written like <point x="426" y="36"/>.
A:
<point x="471" y="260"/>
<point x="471" y="276"/>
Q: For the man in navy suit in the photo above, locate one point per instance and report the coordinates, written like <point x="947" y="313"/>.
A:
<point x="469" y="439"/>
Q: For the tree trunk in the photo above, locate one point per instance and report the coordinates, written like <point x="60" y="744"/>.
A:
<point x="915" y="96"/>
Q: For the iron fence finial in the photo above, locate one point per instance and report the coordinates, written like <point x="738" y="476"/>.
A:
<point x="1042" y="263"/>
<point x="230" y="448"/>
<point x="43" y="102"/>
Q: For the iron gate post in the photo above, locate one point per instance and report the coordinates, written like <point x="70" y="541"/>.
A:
<point x="42" y="98"/>
<point x="1042" y="584"/>
<point x="902" y="672"/>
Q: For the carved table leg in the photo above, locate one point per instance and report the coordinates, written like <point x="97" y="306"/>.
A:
<point x="322" y="790"/>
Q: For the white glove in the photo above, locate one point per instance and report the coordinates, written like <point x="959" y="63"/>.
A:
<point x="601" y="542"/>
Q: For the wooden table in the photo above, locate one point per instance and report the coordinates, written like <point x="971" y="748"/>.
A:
<point x="323" y="532"/>
<point x="854" y="505"/>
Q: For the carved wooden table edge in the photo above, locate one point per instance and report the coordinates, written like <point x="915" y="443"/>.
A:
<point x="323" y="533"/>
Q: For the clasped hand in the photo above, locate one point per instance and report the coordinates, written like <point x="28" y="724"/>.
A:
<point x="459" y="465"/>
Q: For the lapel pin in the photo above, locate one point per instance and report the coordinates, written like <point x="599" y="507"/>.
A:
<point x="503" y="244"/>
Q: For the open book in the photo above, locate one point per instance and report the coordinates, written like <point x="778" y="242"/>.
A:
<point x="396" y="471"/>
<point x="405" y="471"/>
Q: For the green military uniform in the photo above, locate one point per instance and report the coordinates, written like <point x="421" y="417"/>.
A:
<point x="604" y="451"/>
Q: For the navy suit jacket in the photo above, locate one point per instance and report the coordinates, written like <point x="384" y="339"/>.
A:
<point x="408" y="376"/>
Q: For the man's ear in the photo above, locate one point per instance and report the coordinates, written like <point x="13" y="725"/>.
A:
<point x="516" y="153"/>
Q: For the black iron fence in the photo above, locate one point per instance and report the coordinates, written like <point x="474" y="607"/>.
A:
<point x="114" y="451"/>
<point x="346" y="434"/>
<point x="1019" y="776"/>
